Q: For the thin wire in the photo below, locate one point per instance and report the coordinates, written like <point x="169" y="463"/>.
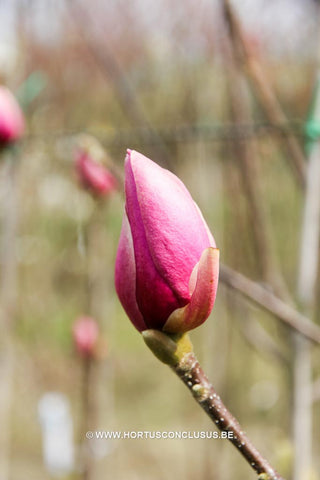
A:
<point x="176" y="134"/>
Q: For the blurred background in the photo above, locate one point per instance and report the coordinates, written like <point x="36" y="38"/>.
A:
<point x="225" y="95"/>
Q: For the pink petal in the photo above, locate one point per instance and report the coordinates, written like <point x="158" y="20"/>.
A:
<point x="154" y="296"/>
<point x="125" y="276"/>
<point x="203" y="296"/>
<point x="85" y="334"/>
<point x="93" y="175"/>
<point x="11" y="117"/>
<point x="175" y="233"/>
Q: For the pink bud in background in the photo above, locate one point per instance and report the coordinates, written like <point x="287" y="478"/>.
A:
<point x="85" y="332"/>
<point x="11" y="118"/>
<point x="167" y="263"/>
<point x="94" y="176"/>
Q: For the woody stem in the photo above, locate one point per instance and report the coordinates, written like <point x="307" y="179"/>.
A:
<point x="177" y="352"/>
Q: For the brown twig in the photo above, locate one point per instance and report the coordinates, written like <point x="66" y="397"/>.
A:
<point x="270" y="302"/>
<point x="265" y="93"/>
<point x="192" y="375"/>
<point x="177" y="352"/>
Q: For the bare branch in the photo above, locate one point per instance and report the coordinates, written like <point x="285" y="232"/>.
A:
<point x="261" y="340"/>
<point x="270" y="302"/>
<point x="265" y="93"/>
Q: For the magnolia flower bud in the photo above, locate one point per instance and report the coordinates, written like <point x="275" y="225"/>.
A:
<point x="85" y="332"/>
<point x="94" y="176"/>
<point x="167" y="263"/>
<point x="11" y="118"/>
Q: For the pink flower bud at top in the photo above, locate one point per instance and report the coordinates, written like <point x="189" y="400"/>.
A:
<point x="11" y="118"/>
<point x="94" y="176"/>
<point x="85" y="332"/>
<point x="167" y="263"/>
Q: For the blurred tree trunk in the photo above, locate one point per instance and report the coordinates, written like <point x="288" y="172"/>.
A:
<point x="8" y="294"/>
<point x="263" y="241"/>
<point x="307" y="278"/>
